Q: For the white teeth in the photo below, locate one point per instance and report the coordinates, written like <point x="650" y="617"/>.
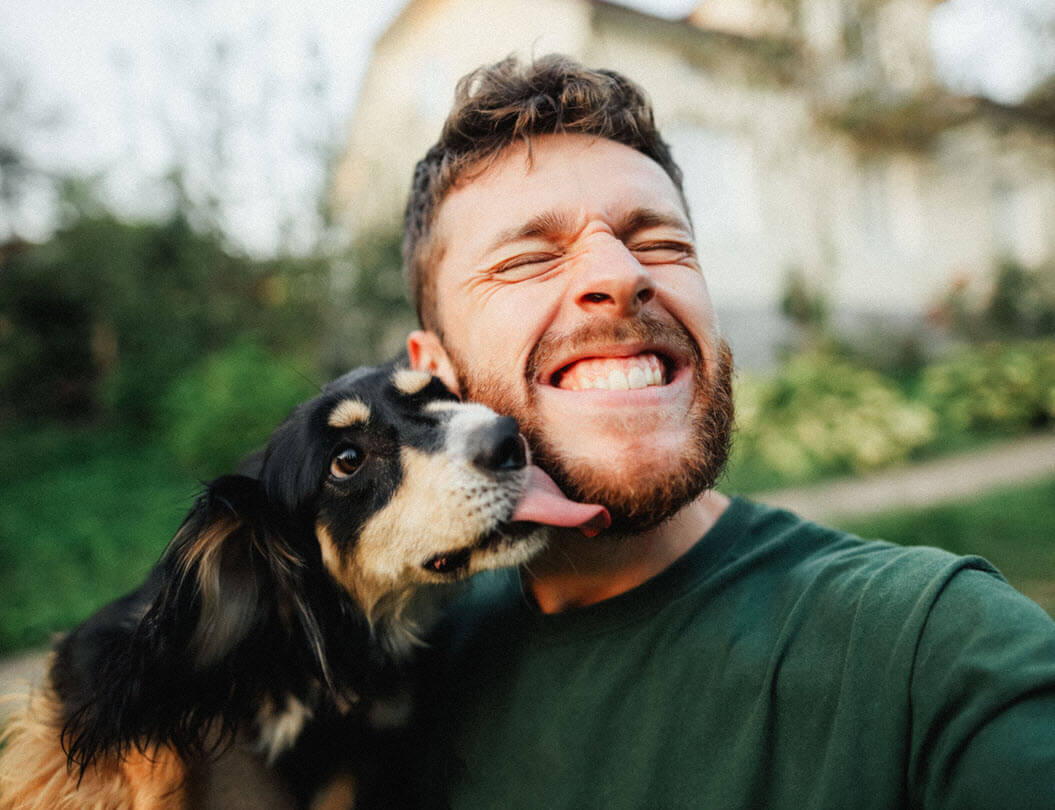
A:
<point x="615" y="374"/>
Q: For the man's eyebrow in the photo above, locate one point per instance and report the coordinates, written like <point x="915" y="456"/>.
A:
<point x="641" y="219"/>
<point x="556" y="223"/>
<point x="548" y="224"/>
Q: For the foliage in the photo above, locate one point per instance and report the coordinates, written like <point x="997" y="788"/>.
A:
<point x="995" y="387"/>
<point x="804" y="303"/>
<point x="226" y="406"/>
<point x="820" y="415"/>
<point x="1018" y="302"/>
<point x="914" y="122"/>
<point x="838" y="407"/>
<point x="97" y="320"/>
<point x="373" y="316"/>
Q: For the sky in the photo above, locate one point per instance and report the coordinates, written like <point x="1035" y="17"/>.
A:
<point x="249" y="102"/>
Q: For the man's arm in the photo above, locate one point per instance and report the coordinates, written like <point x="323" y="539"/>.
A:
<point x="983" y="700"/>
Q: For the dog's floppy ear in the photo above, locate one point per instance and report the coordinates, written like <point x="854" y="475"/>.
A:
<point x="201" y="655"/>
<point x="225" y="572"/>
<point x="289" y="472"/>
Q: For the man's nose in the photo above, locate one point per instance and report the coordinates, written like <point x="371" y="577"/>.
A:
<point x="611" y="281"/>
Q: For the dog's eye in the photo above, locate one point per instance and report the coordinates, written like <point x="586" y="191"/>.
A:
<point x="346" y="462"/>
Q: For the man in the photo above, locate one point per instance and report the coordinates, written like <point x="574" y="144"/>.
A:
<point x="701" y="652"/>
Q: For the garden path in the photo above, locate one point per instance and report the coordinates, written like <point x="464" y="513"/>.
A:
<point x="928" y="483"/>
<point x="954" y="478"/>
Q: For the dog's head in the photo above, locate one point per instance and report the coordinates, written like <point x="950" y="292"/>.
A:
<point x="404" y="485"/>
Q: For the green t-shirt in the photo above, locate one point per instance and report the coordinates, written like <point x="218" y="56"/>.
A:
<point x="777" y="664"/>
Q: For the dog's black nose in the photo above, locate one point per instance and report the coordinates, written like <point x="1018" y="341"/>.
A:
<point x="497" y="447"/>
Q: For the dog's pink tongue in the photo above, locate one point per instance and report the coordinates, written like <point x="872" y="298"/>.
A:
<point x="543" y="502"/>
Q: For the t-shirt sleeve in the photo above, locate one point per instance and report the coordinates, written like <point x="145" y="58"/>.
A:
<point x="983" y="699"/>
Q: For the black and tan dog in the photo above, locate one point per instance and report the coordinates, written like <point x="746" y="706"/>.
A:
<point x="266" y="654"/>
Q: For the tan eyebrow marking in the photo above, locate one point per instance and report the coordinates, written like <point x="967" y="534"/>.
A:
<point x="349" y="412"/>
<point x="409" y="381"/>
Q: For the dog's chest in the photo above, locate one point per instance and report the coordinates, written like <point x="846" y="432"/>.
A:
<point x="278" y="727"/>
<point x="281" y="723"/>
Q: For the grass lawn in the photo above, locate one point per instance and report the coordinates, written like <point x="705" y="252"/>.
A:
<point x="1013" y="528"/>
<point x="85" y="515"/>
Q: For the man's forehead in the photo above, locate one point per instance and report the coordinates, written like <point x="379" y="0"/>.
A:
<point x="554" y="182"/>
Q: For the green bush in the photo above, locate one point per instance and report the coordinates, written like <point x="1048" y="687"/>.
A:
<point x="821" y="415"/>
<point x="1015" y="302"/>
<point x="226" y="406"/>
<point x="995" y="387"/>
<point x="97" y="320"/>
<point x="371" y="314"/>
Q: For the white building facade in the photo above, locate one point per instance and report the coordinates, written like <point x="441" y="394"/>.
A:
<point x="812" y="134"/>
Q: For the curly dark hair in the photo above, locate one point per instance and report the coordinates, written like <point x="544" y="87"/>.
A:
<point x="499" y="104"/>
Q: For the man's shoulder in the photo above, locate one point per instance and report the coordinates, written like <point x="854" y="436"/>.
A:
<point x="803" y="559"/>
<point x="770" y="533"/>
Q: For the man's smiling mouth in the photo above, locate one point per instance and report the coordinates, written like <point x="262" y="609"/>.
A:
<point x="644" y="370"/>
<point x="633" y="360"/>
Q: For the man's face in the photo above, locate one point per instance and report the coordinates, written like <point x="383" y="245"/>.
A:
<point x="569" y="296"/>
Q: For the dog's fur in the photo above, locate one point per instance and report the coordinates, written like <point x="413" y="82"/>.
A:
<point x="268" y="647"/>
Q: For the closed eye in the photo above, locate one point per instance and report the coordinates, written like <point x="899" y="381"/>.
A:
<point x="524" y="264"/>
<point x="662" y="252"/>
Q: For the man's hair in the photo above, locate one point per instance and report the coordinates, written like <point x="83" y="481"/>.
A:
<point x="498" y="104"/>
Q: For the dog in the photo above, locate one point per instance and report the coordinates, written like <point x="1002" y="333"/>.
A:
<point x="266" y="660"/>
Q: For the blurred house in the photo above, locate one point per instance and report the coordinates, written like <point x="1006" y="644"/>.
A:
<point x="814" y="137"/>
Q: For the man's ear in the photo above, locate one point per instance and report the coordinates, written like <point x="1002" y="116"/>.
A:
<point x="427" y="354"/>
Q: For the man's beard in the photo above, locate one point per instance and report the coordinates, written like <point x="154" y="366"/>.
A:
<point x="645" y="501"/>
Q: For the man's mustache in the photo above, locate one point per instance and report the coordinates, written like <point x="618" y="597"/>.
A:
<point x="645" y="328"/>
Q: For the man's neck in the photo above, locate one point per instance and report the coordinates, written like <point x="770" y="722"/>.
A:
<point x="576" y="571"/>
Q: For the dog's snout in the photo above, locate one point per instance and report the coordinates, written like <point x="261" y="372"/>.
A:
<point x="498" y="446"/>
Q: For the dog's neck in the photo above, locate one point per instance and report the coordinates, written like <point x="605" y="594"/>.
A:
<point x="400" y="621"/>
